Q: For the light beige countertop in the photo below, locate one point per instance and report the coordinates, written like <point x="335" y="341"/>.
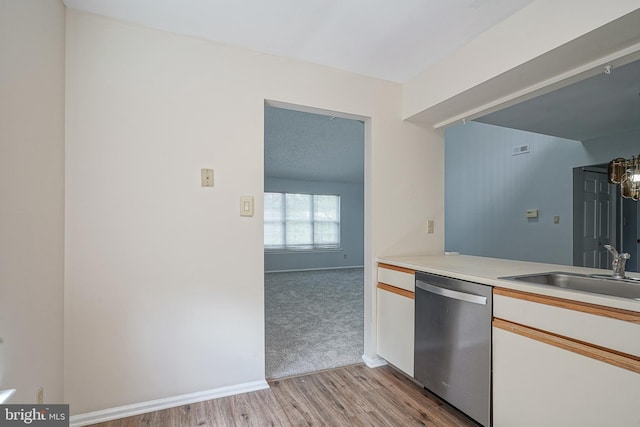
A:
<point x="487" y="270"/>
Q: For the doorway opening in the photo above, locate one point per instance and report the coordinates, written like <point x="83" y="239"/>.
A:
<point x="601" y="216"/>
<point x="314" y="241"/>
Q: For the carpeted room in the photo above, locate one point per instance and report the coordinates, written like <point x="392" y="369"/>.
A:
<point x="314" y="320"/>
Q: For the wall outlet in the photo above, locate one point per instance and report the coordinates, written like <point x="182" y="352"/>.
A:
<point x="430" y="226"/>
<point x="40" y="396"/>
<point x="206" y="177"/>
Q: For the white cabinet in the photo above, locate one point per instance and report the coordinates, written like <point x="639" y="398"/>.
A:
<point x="552" y="378"/>
<point x="395" y="316"/>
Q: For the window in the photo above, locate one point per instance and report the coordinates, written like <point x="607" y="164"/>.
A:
<point x="301" y="221"/>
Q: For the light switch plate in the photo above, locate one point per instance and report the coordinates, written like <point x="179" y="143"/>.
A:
<point x="206" y="177"/>
<point x="430" y="226"/>
<point x="532" y="213"/>
<point x="246" y="206"/>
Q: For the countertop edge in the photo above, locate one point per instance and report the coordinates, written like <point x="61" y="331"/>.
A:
<point x="481" y="270"/>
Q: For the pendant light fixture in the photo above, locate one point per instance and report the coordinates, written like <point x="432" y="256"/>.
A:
<point x="626" y="172"/>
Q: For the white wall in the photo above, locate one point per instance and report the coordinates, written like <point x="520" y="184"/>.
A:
<point x="351" y="252"/>
<point x="164" y="279"/>
<point x="31" y="197"/>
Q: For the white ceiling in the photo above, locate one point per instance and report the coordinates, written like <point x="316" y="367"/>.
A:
<point x="392" y="40"/>
<point x="312" y="147"/>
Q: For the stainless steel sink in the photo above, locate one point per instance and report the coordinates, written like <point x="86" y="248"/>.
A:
<point x="597" y="284"/>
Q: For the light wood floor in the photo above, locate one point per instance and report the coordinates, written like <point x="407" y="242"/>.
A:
<point x="350" y="396"/>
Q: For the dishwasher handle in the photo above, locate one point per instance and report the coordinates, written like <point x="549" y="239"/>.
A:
<point x="449" y="293"/>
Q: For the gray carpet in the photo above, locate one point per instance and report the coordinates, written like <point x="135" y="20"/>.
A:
<point x="314" y="320"/>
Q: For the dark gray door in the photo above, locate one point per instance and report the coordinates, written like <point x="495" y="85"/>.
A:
<point x="631" y="233"/>
<point x="594" y="219"/>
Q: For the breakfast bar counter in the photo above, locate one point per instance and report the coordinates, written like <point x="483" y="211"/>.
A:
<point x="488" y="271"/>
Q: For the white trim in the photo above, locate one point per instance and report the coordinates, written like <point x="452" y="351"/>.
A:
<point x="621" y="57"/>
<point x="373" y="362"/>
<point x="282" y="251"/>
<point x="167" y="402"/>
<point x="315" y="269"/>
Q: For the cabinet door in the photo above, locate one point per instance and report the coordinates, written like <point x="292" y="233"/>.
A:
<point x="395" y="329"/>
<point x="538" y="384"/>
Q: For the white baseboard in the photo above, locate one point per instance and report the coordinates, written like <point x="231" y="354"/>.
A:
<point x="169" y="402"/>
<point x="315" y="269"/>
<point x="373" y="362"/>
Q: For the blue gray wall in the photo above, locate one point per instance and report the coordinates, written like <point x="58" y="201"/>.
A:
<point x="487" y="190"/>
<point x="352" y="227"/>
<point x="602" y="150"/>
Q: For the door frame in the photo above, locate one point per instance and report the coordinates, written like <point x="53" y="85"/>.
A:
<point x="370" y="268"/>
<point x="578" y="212"/>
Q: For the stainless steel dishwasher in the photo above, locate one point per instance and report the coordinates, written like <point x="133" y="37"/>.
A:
<point x="453" y="342"/>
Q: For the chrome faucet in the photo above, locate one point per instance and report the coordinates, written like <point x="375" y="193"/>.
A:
<point x="618" y="263"/>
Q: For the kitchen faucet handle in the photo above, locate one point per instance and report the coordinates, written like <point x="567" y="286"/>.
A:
<point x="612" y="250"/>
<point x="615" y="253"/>
<point x="619" y="260"/>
